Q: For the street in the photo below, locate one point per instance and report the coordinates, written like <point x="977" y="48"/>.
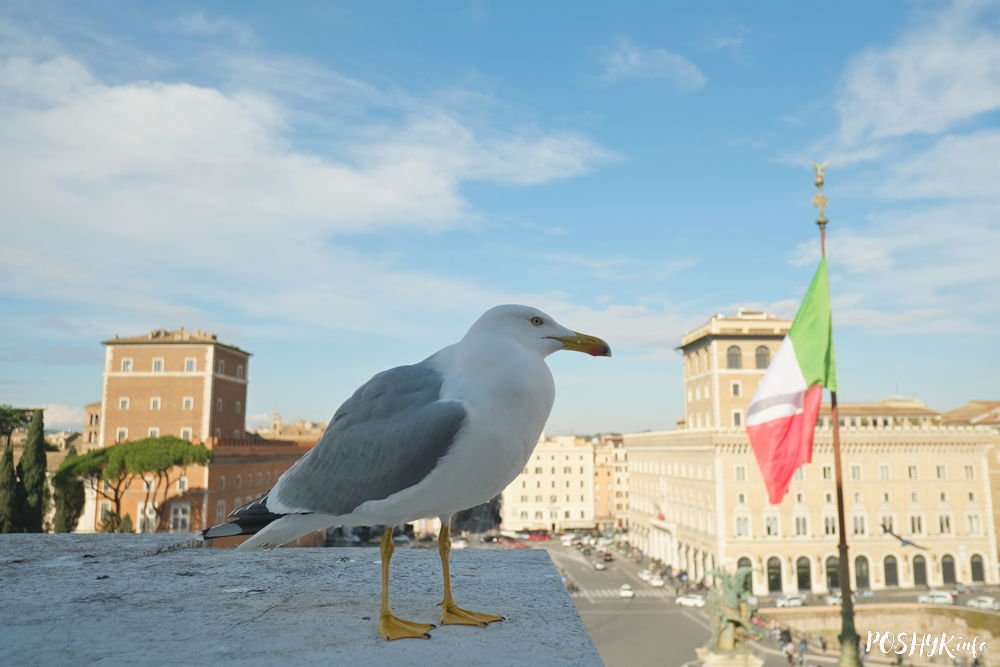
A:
<point x="648" y="629"/>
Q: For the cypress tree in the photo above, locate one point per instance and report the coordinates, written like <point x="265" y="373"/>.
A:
<point x="8" y="491"/>
<point x="31" y="474"/>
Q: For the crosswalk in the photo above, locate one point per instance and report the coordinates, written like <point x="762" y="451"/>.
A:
<point x="606" y="593"/>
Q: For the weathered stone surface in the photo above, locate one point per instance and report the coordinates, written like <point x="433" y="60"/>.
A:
<point x="147" y="600"/>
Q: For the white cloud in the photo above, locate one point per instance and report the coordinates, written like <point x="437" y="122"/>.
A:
<point x="956" y="167"/>
<point x="112" y="188"/>
<point x="626" y="60"/>
<point x="202" y="26"/>
<point x="938" y="74"/>
<point x="62" y="417"/>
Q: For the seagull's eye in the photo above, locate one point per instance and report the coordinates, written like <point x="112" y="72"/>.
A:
<point x="537" y="321"/>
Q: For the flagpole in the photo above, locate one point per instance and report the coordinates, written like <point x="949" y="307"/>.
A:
<point x="848" y="634"/>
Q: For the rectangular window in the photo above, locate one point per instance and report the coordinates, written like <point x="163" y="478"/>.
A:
<point x="801" y="525"/>
<point x="737" y="417"/>
<point x="189" y="365"/>
<point x="800" y="498"/>
<point x="886" y="522"/>
<point x="736" y="389"/>
<point x="123" y="403"/>
<point x="217" y="432"/>
<point x="911" y="472"/>
<point x="239" y="371"/>
<point x="180" y="517"/>
<point x="917" y="524"/>
<point x="970" y="472"/>
<point x="886" y="497"/>
<point x="829" y="525"/>
<point x="154" y="432"/>
<point x="742" y="527"/>
<point x="940" y="471"/>
<point x="220" y="511"/>
<point x="771" y="526"/>
<point x="218" y="405"/>
<point x="158" y="365"/>
<point x="237" y="407"/>
<point x="126" y="365"/>
<point x="154" y="403"/>
<point x="741" y="473"/>
<point x="186" y="433"/>
<point x="855" y="471"/>
<point x="222" y="482"/>
<point x="858" y="524"/>
<point x="741" y="498"/>
<point x="944" y="524"/>
<point x="188" y="403"/>
<point x="972" y="520"/>
<point x="799" y="474"/>
<point x="827" y="472"/>
<point x="883" y="472"/>
<point x="121" y="435"/>
<point x="221" y="367"/>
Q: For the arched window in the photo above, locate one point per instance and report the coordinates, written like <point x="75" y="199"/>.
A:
<point x="978" y="571"/>
<point x="748" y="582"/>
<point x="734" y="358"/>
<point x="773" y="574"/>
<point x="919" y="571"/>
<point x="762" y="356"/>
<point x="891" y="571"/>
<point x="832" y="573"/>
<point x="948" y="569"/>
<point x="803" y="574"/>
<point x="861" y="573"/>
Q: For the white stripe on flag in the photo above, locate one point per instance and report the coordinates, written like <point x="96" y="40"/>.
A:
<point x="780" y="392"/>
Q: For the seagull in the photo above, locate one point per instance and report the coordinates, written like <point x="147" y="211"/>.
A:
<point x="425" y="440"/>
<point x="903" y="542"/>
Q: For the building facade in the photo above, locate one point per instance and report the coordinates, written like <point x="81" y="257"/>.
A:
<point x="555" y="491"/>
<point x="698" y="501"/>
<point x="181" y="383"/>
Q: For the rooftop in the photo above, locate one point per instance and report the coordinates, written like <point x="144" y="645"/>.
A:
<point x="177" y="336"/>
<point x="73" y="599"/>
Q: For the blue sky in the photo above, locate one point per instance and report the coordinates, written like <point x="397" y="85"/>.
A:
<point x="344" y="187"/>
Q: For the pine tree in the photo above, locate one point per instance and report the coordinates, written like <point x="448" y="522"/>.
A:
<point x="8" y="492"/>
<point x="68" y="498"/>
<point x="31" y="475"/>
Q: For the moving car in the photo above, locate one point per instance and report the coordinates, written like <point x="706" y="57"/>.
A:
<point x="691" y="600"/>
<point x="656" y="581"/>
<point x="984" y="602"/>
<point x="599" y="565"/>
<point x="936" y="597"/>
<point x="834" y="598"/>
<point x="791" y="600"/>
<point x="460" y="543"/>
<point x="626" y="591"/>
<point x="645" y="575"/>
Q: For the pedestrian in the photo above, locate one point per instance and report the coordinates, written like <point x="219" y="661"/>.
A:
<point x="822" y="643"/>
<point x="790" y="653"/>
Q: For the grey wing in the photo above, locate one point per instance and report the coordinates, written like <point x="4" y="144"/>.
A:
<point x="387" y="437"/>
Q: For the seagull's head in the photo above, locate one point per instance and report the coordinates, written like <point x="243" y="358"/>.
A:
<point x="537" y="331"/>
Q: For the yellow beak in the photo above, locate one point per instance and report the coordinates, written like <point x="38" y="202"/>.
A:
<point x="579" y="342"/>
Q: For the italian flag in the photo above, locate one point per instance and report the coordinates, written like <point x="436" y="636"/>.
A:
<point x="782" y="416"/>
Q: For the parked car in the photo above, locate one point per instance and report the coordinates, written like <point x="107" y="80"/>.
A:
<point x="626" y="591"/>
<point x="936" y="597"/>
<point x="656" y="581"/>
<point x="984" y="602"/>
<point x="791" y="600"/>
<point x="645" y="575"/>
<point x="834" y="598"/>
<point x="691" y="600"/>
<point x="959" y="589"/>
<point x="599" y="565"/>
<point x="460" y="543"/>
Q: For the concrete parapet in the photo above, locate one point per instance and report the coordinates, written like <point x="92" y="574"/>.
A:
<point x="149" y="600"/>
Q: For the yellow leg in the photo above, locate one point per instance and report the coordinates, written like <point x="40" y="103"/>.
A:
<point x="452" y="614"/>
<point x="389" y="626"/>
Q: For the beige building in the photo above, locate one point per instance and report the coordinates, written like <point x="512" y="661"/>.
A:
<point x="181" y="383"/>
<point x="698" y="500"/>
<point x="610" y="483"/>
<point x="296" y="432"/>
<point x="555" y="491"/>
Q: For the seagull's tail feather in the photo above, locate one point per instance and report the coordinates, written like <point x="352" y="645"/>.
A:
<point x="245" y="520"/>
<point x="287" y="528"/>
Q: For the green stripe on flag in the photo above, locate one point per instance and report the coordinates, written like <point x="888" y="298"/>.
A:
<point x="812" y="333"/>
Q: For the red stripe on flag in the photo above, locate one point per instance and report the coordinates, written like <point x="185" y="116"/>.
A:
<point x="783" y="445"/>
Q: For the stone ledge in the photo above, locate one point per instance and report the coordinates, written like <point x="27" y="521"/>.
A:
<point x="146" y="600"/>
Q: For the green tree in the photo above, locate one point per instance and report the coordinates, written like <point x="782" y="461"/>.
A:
<point x="31" y="476"/>
<point x="110" y="471"/>
<point x="8" y="491"/>
<point x="68" y="498"/>
<point x="11" y="491"/>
